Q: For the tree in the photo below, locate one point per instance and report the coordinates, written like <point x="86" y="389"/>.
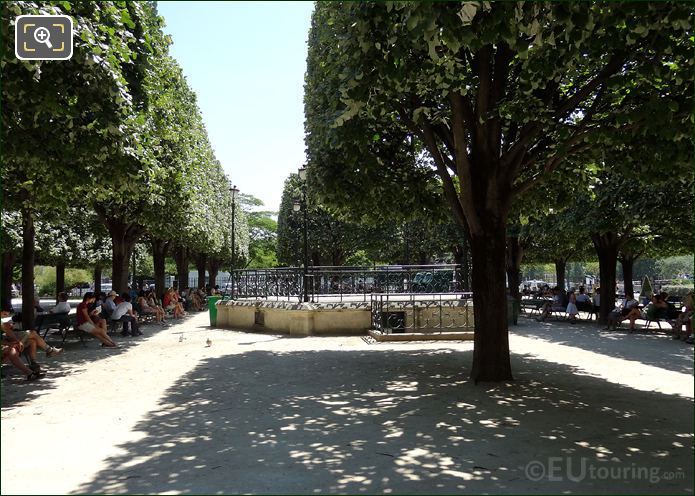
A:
<point x="496" y="95"/>
<point x="330" y="240"/>
<point x="61" y="120"/>
<point x="262" y="233"/>
<point x="624" y="212"/>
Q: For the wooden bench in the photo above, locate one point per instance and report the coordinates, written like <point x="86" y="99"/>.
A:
<point x="588" y="307"/>
<point x="665" y="315"/>
<point x="72" y="328"/>
<point x="48" y="321"/>
<point x="532" y="304"/>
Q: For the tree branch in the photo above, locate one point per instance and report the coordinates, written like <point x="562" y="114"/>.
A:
<point x="613" y="65"/>
<point x="447" y="182"/>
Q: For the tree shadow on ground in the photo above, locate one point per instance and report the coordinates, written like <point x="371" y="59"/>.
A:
<point x="395" y="421"/>
<point x="648" y="347"/>
<point x="17" y="391"/>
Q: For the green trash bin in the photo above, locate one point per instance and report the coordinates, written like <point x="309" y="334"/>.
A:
<point x="512" y="311"/>
<point x="212" y="306"/>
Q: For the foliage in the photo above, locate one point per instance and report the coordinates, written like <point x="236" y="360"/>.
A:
<point x="330" y="241"/>
<point x="490" y="98"/>
<point x="46" y="279"/>
<point x="422" y="73"/>
<point x="117" y="131"/>
<point x="262" y="233"/>
<point x="677" y="290"/>
<point x="672" y="267"/>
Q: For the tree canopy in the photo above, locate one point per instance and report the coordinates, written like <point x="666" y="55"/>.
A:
<point x="489" y="98"/>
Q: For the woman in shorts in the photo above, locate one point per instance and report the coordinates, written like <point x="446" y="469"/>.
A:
<point x="146" y="308"/>
<point x="91" y="324"/>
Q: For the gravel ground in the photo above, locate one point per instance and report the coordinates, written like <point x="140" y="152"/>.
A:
<point x="588" y="412"/>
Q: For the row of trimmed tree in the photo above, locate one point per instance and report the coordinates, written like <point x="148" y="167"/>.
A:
<point x="108" y="149"/>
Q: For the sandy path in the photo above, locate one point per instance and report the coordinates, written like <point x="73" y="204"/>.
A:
<point x="259" y="413"/>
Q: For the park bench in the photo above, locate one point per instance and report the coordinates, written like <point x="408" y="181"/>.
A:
<point x="588" y="307"/>
<point x="532" y="304"/>
<point x="143" y="318"/>
<point x="72" y="329"/>
<point x="48" y="321"/>
<point x="671" y="313"/>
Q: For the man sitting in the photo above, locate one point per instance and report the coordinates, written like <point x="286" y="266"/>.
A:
<point x="62" y="306"/>
<point x="627" y="311"/>
<point x="559" y="304"/>
<point x="11" y="353"/>
<point x="109" y="305"/>
<point x="684" y="319"/>
<point x="124" y="313"/>
<point x="29" y="340"/>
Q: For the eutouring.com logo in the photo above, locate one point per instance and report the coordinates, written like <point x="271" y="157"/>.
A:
<point x="557" y="469"/>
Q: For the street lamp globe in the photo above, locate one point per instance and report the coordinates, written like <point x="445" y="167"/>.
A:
<point x="302" y="173"/>
<point x="296" y="206"/>
<point x="233" y="190"/>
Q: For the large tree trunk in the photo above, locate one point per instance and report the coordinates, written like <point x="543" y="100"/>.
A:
<point x="213" y="269"/>
<point x="60" y="278"/>
<point x="123" y="238"/>
<point x="201" y="263"/>
<point x="607" y="246"/>
<point x="6" y="290"/>
<point x="159" y="253"/>
<point x="28" y="236"/>
<point x="560" y="269"/>
<point x="515" y="253"/>
<point x="97" y="279"/>
<point x="491" y="351"/>
<point x="181" y="257"/>
<point x="627" y="260"/>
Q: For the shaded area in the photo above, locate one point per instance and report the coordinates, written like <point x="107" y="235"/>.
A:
<point x="17" y="391"/>
<point x="394" y="421"/>
<point x="647" y="347"/>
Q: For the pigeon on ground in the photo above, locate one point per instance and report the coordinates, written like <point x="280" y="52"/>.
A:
<point x="181" y="338"/>
<point x="208" y="342"/>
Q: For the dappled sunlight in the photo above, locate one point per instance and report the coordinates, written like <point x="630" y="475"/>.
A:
<point x="353" y="422"/>
<point x="646" y="346"/>
<point x="655" y="364"/>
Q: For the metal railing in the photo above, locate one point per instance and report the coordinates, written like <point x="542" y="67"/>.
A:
<point x="327" y="283"/>
<point x="422" y="313"/>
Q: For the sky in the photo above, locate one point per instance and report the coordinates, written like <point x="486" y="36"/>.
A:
<point x="246" y="63"/>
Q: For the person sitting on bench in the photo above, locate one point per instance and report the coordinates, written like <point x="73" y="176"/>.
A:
<point x="62" y="306"/>
<point x="158" y="312"/>
<point x="657" y="308"/>
<point x="30" y="341"/>
<point x="627" y="311"/>
<point x="683" y="319"/>
<point x="124" y="313"/>
<point x="109" y="305"/>
<point x="91" y="323"/>
<point x="11" y="353"/>
<point x="557" y="305"/>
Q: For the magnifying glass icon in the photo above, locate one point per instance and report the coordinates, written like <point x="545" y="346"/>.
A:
<point x="43" y="35"/>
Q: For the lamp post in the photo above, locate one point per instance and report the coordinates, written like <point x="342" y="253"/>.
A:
<point x="297" y="206"/>
<point x="233" y="190"/>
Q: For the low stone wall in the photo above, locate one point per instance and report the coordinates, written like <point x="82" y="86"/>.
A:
<point x="346" y="318"/>
<point x="296" y="319"/>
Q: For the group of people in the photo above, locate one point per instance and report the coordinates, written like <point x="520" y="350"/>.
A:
<point x="93" y="315"/>
<point x="658" y="308"/>
<point x="568" y="302"/>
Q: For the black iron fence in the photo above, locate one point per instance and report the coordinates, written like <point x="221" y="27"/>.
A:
<point x="344" y="283"/>
<point x="422" y="313"/>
